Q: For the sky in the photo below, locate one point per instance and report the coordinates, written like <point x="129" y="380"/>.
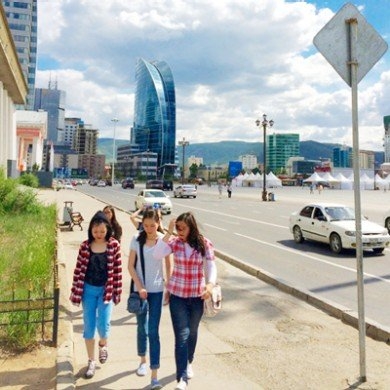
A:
<point x="232" y="61"/>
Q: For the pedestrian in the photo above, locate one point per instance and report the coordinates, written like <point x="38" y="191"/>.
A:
<point x="136" y="217"/>
<point x="187" y="287"/>
<point x="229" y="190"/>
<point x="220" y="190"/>
<point x="149" y="282"/>
<point x="97" y="285"/>
<point x="312" y="188"/>
<point x="116" y="227"/>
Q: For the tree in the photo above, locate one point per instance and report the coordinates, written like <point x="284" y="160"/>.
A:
<point x="193" y="171"/>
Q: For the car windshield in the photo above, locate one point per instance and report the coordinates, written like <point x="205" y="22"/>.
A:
<point x="340" y="213"/>
<point x="155" y="194"/>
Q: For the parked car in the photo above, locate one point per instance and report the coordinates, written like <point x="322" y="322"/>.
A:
<point x="185" y="191"/>
<point x="335" y="224"/>
<point x="154" y="198"/>
<point x="128" y="183"/>
<point x="101" y="183"/>
<point x="155" y="184"/>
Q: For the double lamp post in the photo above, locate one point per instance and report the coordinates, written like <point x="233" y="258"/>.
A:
<point x="265" y="123"/>
<point x="183" y="143"/>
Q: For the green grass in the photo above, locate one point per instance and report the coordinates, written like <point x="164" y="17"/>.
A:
<point x="27" y="258"/>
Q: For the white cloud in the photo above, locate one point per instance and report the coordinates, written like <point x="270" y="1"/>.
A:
<point x="231" y="61"/>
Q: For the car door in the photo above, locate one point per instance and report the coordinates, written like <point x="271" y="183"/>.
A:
<point x="304" y="221"/>
<point x="319" y="225"/>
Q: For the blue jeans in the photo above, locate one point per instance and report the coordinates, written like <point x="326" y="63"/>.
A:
<point x="96" y="313"/>
<point x="186" y="314"/>
<point x="147" y="327"/>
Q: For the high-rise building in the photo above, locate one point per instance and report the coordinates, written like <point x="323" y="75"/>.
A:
<point x="154" y="127"/>
<point x="342" y="157"/>
<point x="22" y="21"/>
<point x="52" y="100"/>
<point x="71" y="126"/>
<point x="280" y="147"/>
<point x="85" y="139"/>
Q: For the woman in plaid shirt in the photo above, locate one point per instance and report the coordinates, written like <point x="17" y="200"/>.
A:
<point x="187" y="287"/>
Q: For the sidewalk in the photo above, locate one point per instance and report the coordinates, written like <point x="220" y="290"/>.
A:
<point x="263" y="339"/>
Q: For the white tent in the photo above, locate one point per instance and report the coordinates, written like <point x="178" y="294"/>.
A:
<point x="343" y="182"/>
<point x="273" y="181"/>
<point x="251" y="181"/>
<point x="366" y="183"/>
<point x="314" y="178"/>
<point x="328" y="178"/>
<point x="381" y="183"/>
<point x="237" y="181"/>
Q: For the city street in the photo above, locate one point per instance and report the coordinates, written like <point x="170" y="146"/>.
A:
<point x="257" y="233"/>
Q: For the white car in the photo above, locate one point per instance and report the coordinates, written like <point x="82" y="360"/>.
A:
<point x="153" y="198"/>
<point x="185" y="191"/>
<point x="101" y="183"/>
<point x="334" y="224"/>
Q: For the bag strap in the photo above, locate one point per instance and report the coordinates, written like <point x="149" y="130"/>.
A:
<point x="141" y="251"/>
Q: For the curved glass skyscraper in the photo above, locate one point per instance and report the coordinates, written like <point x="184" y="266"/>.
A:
<point x="154" y="127"/>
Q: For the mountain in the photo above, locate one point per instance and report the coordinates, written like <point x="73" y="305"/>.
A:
<point x="218" y="153"/>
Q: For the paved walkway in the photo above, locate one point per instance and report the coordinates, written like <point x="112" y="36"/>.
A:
<point x="229" y="353"/>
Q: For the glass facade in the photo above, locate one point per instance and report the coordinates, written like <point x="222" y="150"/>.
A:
<point x="154" y="127"/>
<point x="52" y="101"/>
<point x="22" y="21"/>
<point x="342" y="157"/>
<point x="280" y="147"/>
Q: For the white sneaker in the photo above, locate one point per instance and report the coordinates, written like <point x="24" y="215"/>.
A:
<point x="182" y="385"/>
<point x="90" y="372"/>
<point x="190" y="371"/>
<point x="142" y="369"/>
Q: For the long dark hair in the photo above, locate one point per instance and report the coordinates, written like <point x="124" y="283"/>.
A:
<point x="116" y="228"/>
<point x="97" y="219"/>
<point x="149" y="214"/>
<point x="195" y="238"/>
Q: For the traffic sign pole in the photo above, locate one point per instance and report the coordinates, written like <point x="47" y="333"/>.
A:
<point x="353" y="64"/>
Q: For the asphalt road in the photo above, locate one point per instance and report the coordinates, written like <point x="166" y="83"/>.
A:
<point x="257" y="233"/>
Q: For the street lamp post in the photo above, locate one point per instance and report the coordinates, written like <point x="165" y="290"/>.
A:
<point x="147" y="154"/>
<point x="183" y="143"/>
<point x="265" y="123"/>
<point x="115" y="121"/>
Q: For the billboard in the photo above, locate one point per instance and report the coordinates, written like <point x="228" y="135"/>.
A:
<point x="235" y="167"/>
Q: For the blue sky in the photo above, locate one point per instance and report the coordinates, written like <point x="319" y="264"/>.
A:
<point x="232" y="61"/>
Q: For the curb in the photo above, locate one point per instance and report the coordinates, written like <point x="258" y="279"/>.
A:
<point x="349" y="317"/>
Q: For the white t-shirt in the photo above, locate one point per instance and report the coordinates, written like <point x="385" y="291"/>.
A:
<point x="154" y="274"/>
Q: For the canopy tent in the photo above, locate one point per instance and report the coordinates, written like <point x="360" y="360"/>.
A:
<point x="366" y="183"/>
<point x="328" y="178"/>
<point x="251" y="181"/>
<point x="273" y="181"/>
<point x="381" y="183"/>
<point x="314" y="178"/>
<point x="343" y="182"/>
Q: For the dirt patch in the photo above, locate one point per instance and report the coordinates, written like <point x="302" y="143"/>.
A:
<point x="33" y="370"/>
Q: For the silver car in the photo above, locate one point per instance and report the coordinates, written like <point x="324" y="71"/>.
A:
<point x="185" y="191"/>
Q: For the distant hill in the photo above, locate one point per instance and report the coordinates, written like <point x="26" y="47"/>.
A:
<point x="216" y="153"/>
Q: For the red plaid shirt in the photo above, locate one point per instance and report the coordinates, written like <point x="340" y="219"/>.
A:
<point x="187" y="279"/>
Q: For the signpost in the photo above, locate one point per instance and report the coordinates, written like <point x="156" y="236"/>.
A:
<point x="353" y="47"/>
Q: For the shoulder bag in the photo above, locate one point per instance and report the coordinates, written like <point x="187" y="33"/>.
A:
<point x="135" y="304"/>
<point x="213" y="304"/>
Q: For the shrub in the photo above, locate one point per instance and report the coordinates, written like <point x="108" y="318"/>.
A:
<point x="29" y="180"/>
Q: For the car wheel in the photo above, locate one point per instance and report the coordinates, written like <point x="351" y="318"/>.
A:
<point x="378" y="250"/>
<point x="174" y="195"/>
<point x="297" y="233"/>
<point x="335" y="243"/>
<point x="387" y="224"/>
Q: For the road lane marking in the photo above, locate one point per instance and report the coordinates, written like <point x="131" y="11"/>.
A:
<point x="237" y="217"/>
<point x="215" y="227"/>
<point x="311" y="257"/>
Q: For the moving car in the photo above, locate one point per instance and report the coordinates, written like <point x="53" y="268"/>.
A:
<point x="335" y="224"/>
<point x="167" y="185"/>
<point x="154" y="198"/>
<point x="155" y="184"/>
<point x="128" y="183"/>
<point x="101" y="183"/>
<point x="185" y="191"/>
